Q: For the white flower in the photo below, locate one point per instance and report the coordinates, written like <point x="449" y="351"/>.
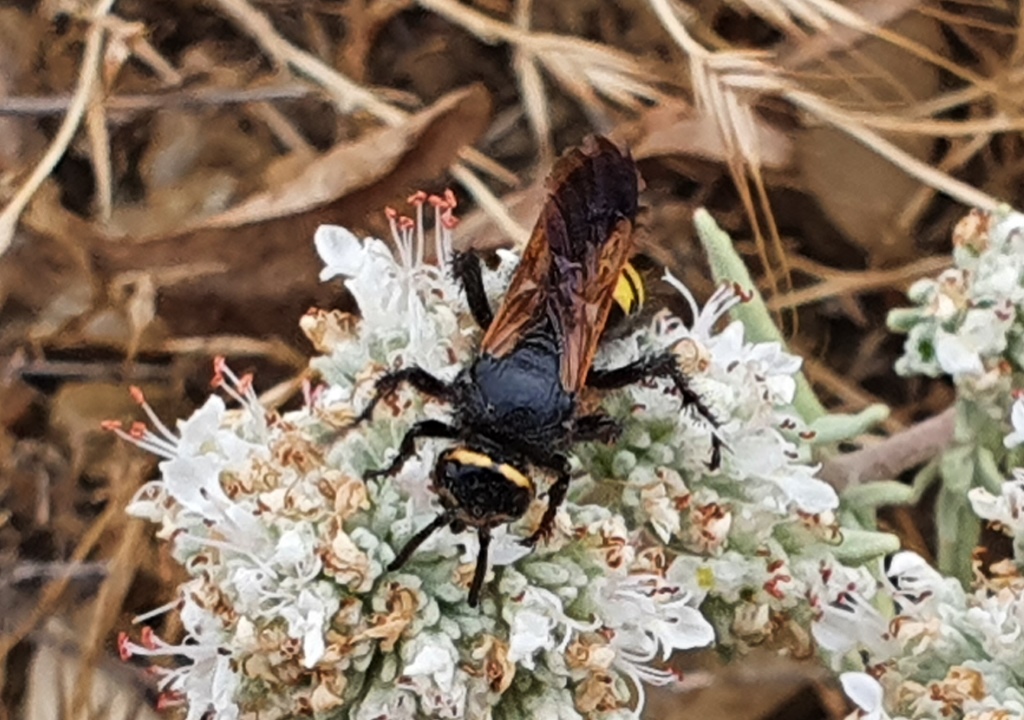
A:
<point x="195" y="459"/>
<point x="1007" y="508"/>
<point x="763" y="453"/>
<point x="396" y="297"/>
<point x="648" y="615"/>
<point x="306" y="618"/>
<point x="432" y="674"/>
<point x="208" y="682"/>
<point x="846" y="619"/>
<point x="866" y="694"/>
<point x="1016" y="437"/>
<point x="914" y="582"/>
<point x="291" y="605"/>
<point x="538" y="622"/>
<point x="956" y="355"/>
<point x="966" y="316"/>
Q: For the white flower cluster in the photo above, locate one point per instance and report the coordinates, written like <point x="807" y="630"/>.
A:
<point x="971" y="317"/>
<point x="290" y="610"/>
<point x="946" y="652"/>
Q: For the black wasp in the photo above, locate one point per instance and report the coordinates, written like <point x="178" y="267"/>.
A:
<point x="519" y="403"/>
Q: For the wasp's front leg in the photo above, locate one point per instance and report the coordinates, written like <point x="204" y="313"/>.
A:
<point x="422" y="429"/>
<point x="416" y="376"/>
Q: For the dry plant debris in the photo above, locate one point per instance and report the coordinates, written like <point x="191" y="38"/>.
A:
<point x="163" y="167"/>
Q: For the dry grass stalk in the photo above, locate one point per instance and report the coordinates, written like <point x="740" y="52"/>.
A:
<point x="88" y="77"/>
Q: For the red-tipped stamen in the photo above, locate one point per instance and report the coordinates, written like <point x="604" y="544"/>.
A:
<point x="420" y="249"/>
<point x="169" y="699"/>
<point x="124" y="648"/>
<point x="396" y="234"/>
<point x="772" y="586"/>
<point x="162" y="429"/>
<point x="237" y="388"/>
<point x="148" y="638"/>
<point x="245" y="383"/>
<point x="417" y="198"/>
<point x="139" y="435"/>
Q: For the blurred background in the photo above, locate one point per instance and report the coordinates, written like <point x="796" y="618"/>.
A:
<point x="163" y="166"/>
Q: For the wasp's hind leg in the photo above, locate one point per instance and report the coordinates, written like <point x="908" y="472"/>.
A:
<point x="466" y="269"/>
<point x="422" y="429"/>
<point x="663" y="365"/>
<point x="556" y="496"/>
<point x="415" y="376"/>
<point x="481" y="566"/>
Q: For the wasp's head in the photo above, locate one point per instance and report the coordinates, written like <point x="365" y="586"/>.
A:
<point x="482" y="491"/>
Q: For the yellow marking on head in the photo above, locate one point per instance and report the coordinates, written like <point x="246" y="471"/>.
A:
<point x="515" y="477"/>
<point x="629" y="290"/>
<point x="481" y="460"/>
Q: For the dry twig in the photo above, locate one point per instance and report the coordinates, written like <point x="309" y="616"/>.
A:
<point x="88" y="76"/>
<point x="893" y="456"/>
<point x="348" y="95"/>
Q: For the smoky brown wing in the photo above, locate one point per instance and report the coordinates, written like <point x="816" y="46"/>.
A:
<point x="578" y="247"/>
<point x="583" y="310"/>
<point x="524" y="299"/>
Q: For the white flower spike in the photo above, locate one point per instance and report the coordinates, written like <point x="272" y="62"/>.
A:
<point x="289" y="608"/>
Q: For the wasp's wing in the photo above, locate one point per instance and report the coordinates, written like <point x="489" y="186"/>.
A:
<point x="523" y="306"/>
<point x="573" y="260"/>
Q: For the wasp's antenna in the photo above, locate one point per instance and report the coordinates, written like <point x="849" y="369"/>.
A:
<point x="481" y="566"/>
<point x="410" y="547"/>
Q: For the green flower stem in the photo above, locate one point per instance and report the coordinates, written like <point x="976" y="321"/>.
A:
<point x="727" y="266"/>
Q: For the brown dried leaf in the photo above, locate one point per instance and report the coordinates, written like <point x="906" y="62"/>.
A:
<point x="349" y="166"/>
<point x="863" y="193"/>
<point x="675" y="129"/>
<point x="44" y="279"/>
<point x="266" y="242"/>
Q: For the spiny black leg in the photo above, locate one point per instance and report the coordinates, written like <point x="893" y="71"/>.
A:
<point x="597" y="427"/>
<point x="466" y="269"/>
<point x="665" y="366"/>
<point x="481" y="566"/>
<point x="416" y="540"/>
<point x="415" y="376"/>
<point x="556" y="496"/>
<point x="422" y="429"/>
<point x="634" y="372"/>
